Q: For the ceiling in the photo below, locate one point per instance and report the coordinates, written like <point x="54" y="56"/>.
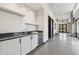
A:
<point x="35" y="6"/>
<point x="62" y="10"/>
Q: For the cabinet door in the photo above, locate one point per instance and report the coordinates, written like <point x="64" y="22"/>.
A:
<point x="34" y="41"/>
<point x="25" y="45"/>
<point x="10" y="47"/>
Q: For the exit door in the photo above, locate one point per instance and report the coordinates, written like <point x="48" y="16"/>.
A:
<point x="63" y="28"/>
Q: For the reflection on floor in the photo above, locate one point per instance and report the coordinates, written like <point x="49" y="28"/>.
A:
<point x="62" y="44"/>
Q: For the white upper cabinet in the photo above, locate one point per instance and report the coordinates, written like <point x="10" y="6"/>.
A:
<point x="13" y="7"/>
<point x="10" y="22"/>
<point x="10" y="47"/>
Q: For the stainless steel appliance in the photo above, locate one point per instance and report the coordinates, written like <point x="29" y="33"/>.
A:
<point x="40" y="38"/>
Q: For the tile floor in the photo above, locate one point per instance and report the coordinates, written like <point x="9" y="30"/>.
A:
<point x="61" y="44"/>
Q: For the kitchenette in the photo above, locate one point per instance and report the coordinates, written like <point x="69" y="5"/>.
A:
<point x="19" y="43"/>
<point x="20" y="34"/>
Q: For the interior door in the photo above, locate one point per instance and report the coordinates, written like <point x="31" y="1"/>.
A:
<point x="63" y="28"/>
<point x="49" y="27"/>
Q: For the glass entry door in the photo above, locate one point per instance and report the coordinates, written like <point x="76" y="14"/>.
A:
<point x="63" y="28"/>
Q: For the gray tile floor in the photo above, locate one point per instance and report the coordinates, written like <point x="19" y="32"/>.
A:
<point x="61" y="44"/>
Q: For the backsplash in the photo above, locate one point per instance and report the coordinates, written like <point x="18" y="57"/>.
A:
<point x="31" y="27"/>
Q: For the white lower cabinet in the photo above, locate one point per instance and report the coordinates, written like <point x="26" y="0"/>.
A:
<point x="34" y="41"/>
<point x="29" y="43"/>
<point x="19" y="46"/>
<point x="10" y="47"/>
<point x="25" y="45"/>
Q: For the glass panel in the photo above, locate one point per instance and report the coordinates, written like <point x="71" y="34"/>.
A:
<point x="64" y="27"/>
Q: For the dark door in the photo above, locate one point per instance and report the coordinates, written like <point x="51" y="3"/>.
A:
<point x="76" y="28"/>
<point x="52" y="28"/>
<point x="49" y="27"/>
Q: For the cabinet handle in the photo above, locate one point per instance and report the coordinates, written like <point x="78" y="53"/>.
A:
<point x="31" y="38"/>
<point x="20" y="41"/>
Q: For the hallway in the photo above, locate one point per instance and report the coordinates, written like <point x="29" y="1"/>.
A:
<point x="60" y="44"/>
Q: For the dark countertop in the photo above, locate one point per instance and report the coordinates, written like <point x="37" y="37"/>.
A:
<point x="8" y="36"/>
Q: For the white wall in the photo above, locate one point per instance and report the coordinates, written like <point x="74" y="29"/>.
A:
<point x="30" y="27"/>
<point x="69" y="27"/>
<point x="20" y="8"/>
<point x="76" y="15"/>
<point x="40" y="19"/>
<point x="30" y="16"/>
<point x="47" y="12"/>
<point x="74" y="28"/>
<point x="77" y="26"/>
